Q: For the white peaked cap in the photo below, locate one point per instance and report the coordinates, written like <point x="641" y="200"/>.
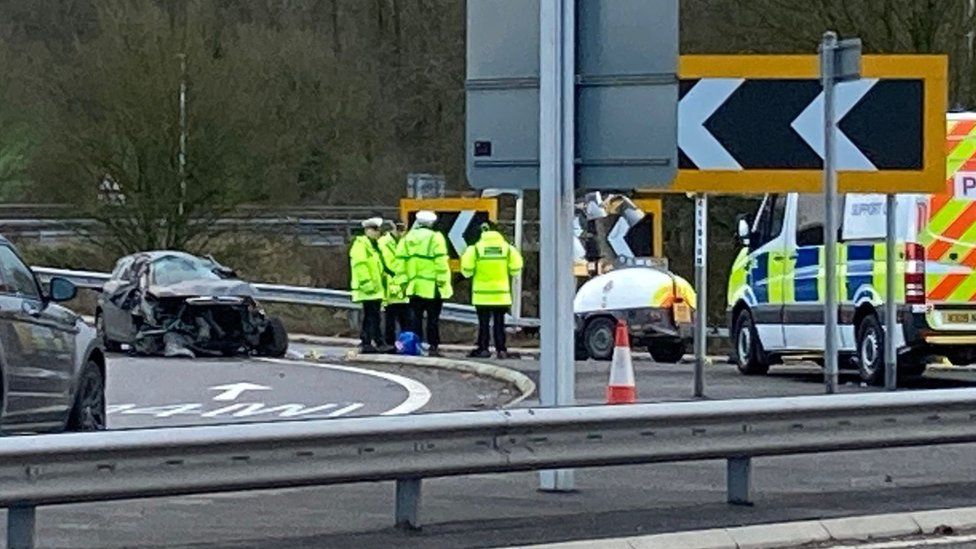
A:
<point x="374" y="222"/>
<point x="426" y="217"/>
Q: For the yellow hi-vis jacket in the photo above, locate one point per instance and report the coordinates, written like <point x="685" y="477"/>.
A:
<point x="396" y="291"/>
<point x="365" y="270"/>
<point x="492" y="262"/>
<point x="426" y="270"/>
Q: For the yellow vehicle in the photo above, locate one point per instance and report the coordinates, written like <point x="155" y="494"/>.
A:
<point x="776" y="286"/>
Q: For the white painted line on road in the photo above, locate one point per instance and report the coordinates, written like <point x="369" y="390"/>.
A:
<point x="418" y="395"/>
<point x="918" y="542"/>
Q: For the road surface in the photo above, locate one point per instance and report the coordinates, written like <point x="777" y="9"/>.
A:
<point x="161" y="392"/>
<point x="505" y="510"/>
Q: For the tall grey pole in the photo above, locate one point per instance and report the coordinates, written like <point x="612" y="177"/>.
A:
<point x="556" y="192"/>
<point x="891" y="320"/>
<point x="183" y="129"/>
<point x="517" y="280"/>
<point x="701" y="291"/>
<point x="830" y="225"/>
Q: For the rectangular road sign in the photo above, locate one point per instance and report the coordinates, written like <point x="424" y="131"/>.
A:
<point x="459" y="219"/>
<point x="754" y="124"/>
<point x="626" y="93"/>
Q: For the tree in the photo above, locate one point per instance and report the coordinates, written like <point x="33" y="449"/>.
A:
<point x="885" y="26"/>
<point x="112" y="120"/>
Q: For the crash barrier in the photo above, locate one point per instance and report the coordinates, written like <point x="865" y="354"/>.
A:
<point x="88" y="467"/>
<point x="292" y="295"/>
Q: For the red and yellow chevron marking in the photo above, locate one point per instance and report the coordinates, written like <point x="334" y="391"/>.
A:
<point x="946" y="287"/>
<point x="949" y="219"/>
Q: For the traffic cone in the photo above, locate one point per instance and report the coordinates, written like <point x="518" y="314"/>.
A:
<point x="622" y="388"/>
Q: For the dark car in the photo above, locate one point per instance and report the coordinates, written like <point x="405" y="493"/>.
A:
<point x="177" y="304"/>
<point x="52" y="364"/>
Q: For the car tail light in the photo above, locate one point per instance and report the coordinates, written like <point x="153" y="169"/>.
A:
<point x="914" y="274"/>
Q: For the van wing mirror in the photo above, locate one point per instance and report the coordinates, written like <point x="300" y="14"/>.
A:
<point x="743" y="231"/>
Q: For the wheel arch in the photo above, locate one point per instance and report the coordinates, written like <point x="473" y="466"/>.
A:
<point x="863" y="310"/>
<point x="734" y="313"/>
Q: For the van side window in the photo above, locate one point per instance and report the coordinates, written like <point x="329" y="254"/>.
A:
<point x="769" y="225"/>
<point x="811" y="213"/>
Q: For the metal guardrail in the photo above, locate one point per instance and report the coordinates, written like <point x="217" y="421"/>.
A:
<point x="86" y="467"/>
<point x="293" y="295"/>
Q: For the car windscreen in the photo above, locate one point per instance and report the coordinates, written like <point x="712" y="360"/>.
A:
<point x="174" y="269"/>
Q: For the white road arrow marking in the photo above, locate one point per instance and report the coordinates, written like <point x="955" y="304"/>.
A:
<point x="456" y="234"/>
<point x="617" y="238"/>
<point x="695" y="108"/>
<point x="233" y="390"/>
<point x="810" y="125"/>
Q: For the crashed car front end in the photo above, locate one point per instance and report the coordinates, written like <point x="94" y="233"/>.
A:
<point x="210" y="325"/>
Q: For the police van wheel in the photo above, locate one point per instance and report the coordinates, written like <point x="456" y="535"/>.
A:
<point x="870" y="351"/>
<point x="598" y="338"/>
<point x="749" y="356"/>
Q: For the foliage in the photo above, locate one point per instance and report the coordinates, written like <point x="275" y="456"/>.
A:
<point x="324" y="102"/>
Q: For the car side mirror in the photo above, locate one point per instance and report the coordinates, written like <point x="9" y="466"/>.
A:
<point x="61" y="289"/>
<point x="743" y="231"/>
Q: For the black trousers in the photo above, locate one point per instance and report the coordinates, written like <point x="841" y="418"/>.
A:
<point x="431" y="308"/>
<point x="371" y="333"/>
<point x="496" y="316"/>
<point x="398" y="319"/>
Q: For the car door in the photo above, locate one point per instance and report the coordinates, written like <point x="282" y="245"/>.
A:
<point x="38" y="350"/>
<point x="803" y="313"/>
<point x="767" y="264"/>
<point x="117" y="299"/>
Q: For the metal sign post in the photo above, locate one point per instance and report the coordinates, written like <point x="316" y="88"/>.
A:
<point x="701" y="291"/>
<point x="556" y="198"/>
<point x="890" y="308"/>
<point x="517" y="281"/>
<point x="839" y="62"/>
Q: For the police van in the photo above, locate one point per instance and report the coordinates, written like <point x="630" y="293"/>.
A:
<point x="776" y="286"/>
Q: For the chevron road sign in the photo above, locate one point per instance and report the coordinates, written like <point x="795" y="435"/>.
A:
<point x="459" y="219"/>
<point x="755" y="124"/>
<point x="643" y="239"/>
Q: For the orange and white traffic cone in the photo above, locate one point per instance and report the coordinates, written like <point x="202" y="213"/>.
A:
<point x="622" y="389"/>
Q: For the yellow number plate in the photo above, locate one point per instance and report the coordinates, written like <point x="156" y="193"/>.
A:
<point x="961" y="318"/>
<point x="682" y="313"/>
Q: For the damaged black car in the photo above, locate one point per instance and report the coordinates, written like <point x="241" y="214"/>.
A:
<point x="176" y="304"/>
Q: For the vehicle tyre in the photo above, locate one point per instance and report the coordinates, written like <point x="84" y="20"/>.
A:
<point x="88" y="413"/>
<point x="750" y="358"/>
<point x="274" y="340"/>
<point x="667" y="353"/>
<point x="870" y="351"/>
<point x="110" y="346"/>
<point x="598" y="338"/>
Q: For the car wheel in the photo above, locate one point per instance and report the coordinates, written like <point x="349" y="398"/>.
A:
<point x="88" y="413"/>
<point x="667" y="353"/>
<point x="749" y="356"/>
<point x="274" y="340"/>
<point x="110" y="346"/>
<point x="870" y="351"/>
<point x="598" y="338"/>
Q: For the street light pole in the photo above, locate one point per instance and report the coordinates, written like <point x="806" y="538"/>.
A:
<point x="183" y="132"/>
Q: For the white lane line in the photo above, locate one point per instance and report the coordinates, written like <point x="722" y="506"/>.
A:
<point x="418" y="395"/>
<point x="909" y="543"/>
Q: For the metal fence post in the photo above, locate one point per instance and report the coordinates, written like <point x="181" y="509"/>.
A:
<point x="20" y="527"/>
<point x="738" y="472"/>
<point x="408" y="503"/>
